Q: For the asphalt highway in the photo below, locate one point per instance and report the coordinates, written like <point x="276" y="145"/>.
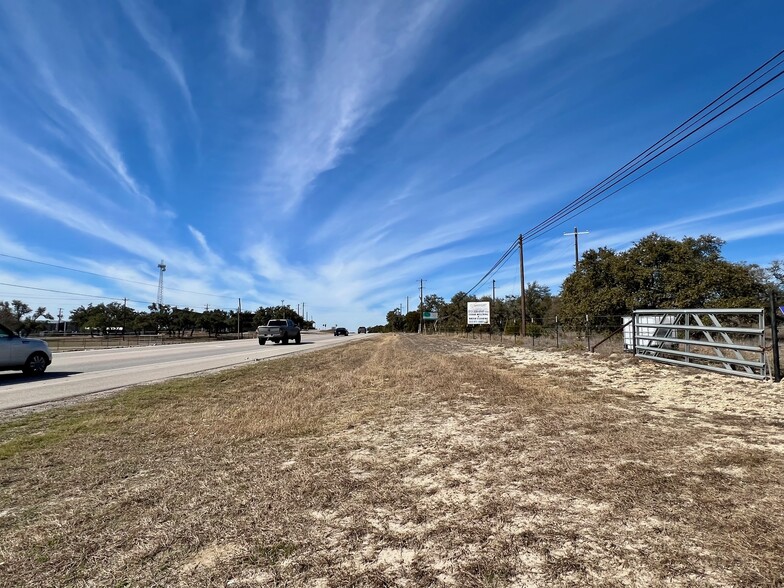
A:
<point x="76" y="373"/>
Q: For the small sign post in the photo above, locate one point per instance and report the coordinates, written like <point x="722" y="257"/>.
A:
<point x="430" y="315"/>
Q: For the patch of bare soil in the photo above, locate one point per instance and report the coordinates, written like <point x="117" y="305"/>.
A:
<point x="407" y="461"/>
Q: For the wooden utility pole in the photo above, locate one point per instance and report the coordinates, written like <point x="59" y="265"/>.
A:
<point x="421" y="306"/>
<point x="576" y="248"/>
<point x="774" y="338"/>
<point x="522" y="288"/>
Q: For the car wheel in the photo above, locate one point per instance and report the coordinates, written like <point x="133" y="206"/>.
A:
<point x="298" y="339"/>
<point x="35" y="364"/>
<point x="262" y="340"/>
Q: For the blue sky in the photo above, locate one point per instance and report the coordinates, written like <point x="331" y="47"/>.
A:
<point x="336" y="153"/>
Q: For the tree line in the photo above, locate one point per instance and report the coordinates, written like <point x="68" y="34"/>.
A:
<point x="656" y="272"/>
<point x="117" y="318"/>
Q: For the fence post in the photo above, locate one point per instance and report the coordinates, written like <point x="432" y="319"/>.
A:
<point x="556" y="332"/>
<point x="588" y="332"/>
<point x="774" y="338"/>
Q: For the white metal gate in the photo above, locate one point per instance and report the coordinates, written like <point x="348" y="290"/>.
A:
<point x="697" y="338"/>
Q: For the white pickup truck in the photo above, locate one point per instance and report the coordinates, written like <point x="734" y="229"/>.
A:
<point x="279" y="331"/>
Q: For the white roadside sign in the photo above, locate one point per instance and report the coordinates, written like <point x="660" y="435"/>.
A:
<point x="478" y="313"/>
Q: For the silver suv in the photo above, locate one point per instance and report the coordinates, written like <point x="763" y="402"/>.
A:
<point x="32" y="356"/>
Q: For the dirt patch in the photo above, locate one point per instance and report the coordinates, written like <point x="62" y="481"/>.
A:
<point x="411" y="461"/>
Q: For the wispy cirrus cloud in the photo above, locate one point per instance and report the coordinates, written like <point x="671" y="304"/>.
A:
<point x="232" y="31"/>
<point x="386" y="141"/>
<point x="99" y="141"/>
<point x="196" y="271"/>
<point x="75" y="217"/>
<point x="71" y="96"/>
<point x="156" y="32"/>
<point x="536" y="45"/>
<point x="327" y="101"/>
<point x="210" y="256"/>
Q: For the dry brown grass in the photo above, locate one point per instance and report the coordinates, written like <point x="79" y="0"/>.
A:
<point x="417" y="461"/>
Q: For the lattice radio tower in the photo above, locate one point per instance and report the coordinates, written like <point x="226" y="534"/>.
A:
<point x="162" y="267"/>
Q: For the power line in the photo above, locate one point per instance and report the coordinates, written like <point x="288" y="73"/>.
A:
<point x="27" y="297"/>
<point x="657" y="166"/>
<point x="667" y="138"/>
<point x="658" y="149"/>
<point x="588" y="199"/>
<point x="70" y="293"/>
<point x="92" y="296"/>
<point x="496" y="266"/>
<point x="579" y="205"/>
<point x="695" y="118"/>
<point x="54" y="265"/>
<point x="494" y="271"/>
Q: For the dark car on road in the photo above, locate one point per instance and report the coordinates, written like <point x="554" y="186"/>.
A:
<point x="361" y="331"/>
<point x="341" y="331"/>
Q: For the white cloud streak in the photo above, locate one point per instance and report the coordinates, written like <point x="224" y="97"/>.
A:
<point x="368" y="49"/>
<point x="71" y="92"/>
<point x="530" y="49"/>
<point x="155" y="31"/>
<point x="232" y="31"/>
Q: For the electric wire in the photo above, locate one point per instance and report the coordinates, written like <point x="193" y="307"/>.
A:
<point x="151" y="285"/>
<point x="579" y="205"/>
<point x="588" y="199"/>
<point x="657" y="166"/>
<point x="97" y="296"/>
<point x="584" y="202"/>
<point x="621" y="174"/>
<point x="674" y="133"/>
<point x="495" y="271"/>
<point x="71" y="293"/>
<point x="687" y="124"/>
<point x="496" y="266"/>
